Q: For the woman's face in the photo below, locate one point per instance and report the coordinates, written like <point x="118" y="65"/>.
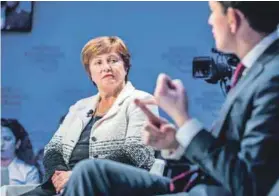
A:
<point x="8" y="143"/>
<point x="108" y="71"/>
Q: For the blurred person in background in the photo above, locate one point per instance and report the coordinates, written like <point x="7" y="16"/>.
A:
<point x="17" y="153"/>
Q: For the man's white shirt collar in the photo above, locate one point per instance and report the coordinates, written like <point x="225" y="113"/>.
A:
<point x="251" y="57"/>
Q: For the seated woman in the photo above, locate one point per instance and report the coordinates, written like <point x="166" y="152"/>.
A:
<point x="17" y="153"/>
<point x="105" y="126"/>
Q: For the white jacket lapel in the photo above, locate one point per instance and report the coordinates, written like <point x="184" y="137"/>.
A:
<point x="125" y="93"/>
<point x="80" y="119"/>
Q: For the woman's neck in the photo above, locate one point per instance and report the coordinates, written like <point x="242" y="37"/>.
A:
<point x="104" y="105"/>
<point x="5" y="162"/>
<point x="108" y="93"/>
<point x="107" y="100"/>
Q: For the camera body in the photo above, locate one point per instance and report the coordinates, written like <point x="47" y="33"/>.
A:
<point x="213" y="71"/>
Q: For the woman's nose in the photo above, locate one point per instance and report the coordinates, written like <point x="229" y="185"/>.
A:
<point x="106" y="67"/>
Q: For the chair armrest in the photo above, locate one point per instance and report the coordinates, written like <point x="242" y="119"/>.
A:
<point x="158" y="167"/>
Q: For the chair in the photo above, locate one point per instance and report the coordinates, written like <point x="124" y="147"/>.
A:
<point x="15" y="190"/>
<point x="158" y="167"/>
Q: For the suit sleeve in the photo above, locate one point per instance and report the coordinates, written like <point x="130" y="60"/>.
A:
<point x="248" y="167"/>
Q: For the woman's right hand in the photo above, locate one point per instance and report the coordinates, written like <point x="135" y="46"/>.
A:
<point x="59" y="179"/>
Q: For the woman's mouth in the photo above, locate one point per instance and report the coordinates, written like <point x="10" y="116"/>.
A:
<point x="107" y="75"/>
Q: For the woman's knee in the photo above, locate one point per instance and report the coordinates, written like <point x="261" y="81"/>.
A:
<point x="90" y="165"/>
<point x="84" y="165"/>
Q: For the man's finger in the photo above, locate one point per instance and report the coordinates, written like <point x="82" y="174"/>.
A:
<point x="163" y="79"/>
<point x="164" y="83"/>
<point x="167" y="127"/>
<point x="148" y="139"/>
<point x="150" y="133"/>
<point x="152" y="130"/>
<point x="154" y="133"/>
<point x="150" y="101"/>
<point x="152" y="117"/>
<point x="178" y="85"/>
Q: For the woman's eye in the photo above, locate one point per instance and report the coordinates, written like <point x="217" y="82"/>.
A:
<point x="98" y="63"/>
<point x="113" y="60"/>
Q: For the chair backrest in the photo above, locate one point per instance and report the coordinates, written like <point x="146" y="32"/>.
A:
<point x="5" y="177"/>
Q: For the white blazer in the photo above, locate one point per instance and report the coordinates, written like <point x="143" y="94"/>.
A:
<point x="116" y="136"/>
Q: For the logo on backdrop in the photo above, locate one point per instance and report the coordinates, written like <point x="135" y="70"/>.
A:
<point x="12" y="99"/>
<point x="45" y="57"/>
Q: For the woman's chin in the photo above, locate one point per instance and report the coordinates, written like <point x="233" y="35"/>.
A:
<point x="109" y="83"/>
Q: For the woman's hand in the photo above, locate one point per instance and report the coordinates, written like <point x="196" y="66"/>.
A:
<point x="59" y="179"/>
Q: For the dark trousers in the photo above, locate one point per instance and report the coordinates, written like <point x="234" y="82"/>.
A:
<point x="104" y="177"/>
<point x="45" y="189"/>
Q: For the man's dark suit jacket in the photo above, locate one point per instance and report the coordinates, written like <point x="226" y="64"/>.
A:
<point x="242" y="153"/>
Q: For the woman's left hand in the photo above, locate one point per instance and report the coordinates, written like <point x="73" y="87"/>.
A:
<point x="59" y="179"/>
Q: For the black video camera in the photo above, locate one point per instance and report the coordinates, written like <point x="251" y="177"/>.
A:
<point x="218" y="70"/>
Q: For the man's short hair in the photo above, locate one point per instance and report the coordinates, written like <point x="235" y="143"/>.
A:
<point x="262" y="16"/>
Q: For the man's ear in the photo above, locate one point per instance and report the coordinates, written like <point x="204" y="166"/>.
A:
<point x="235" y="18"/>
<point x="18" y="143"/>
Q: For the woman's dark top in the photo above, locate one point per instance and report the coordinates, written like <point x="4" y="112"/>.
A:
<point x="81" y="150"/>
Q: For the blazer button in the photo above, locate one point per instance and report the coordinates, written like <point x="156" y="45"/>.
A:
<point x="93" y="139"/>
